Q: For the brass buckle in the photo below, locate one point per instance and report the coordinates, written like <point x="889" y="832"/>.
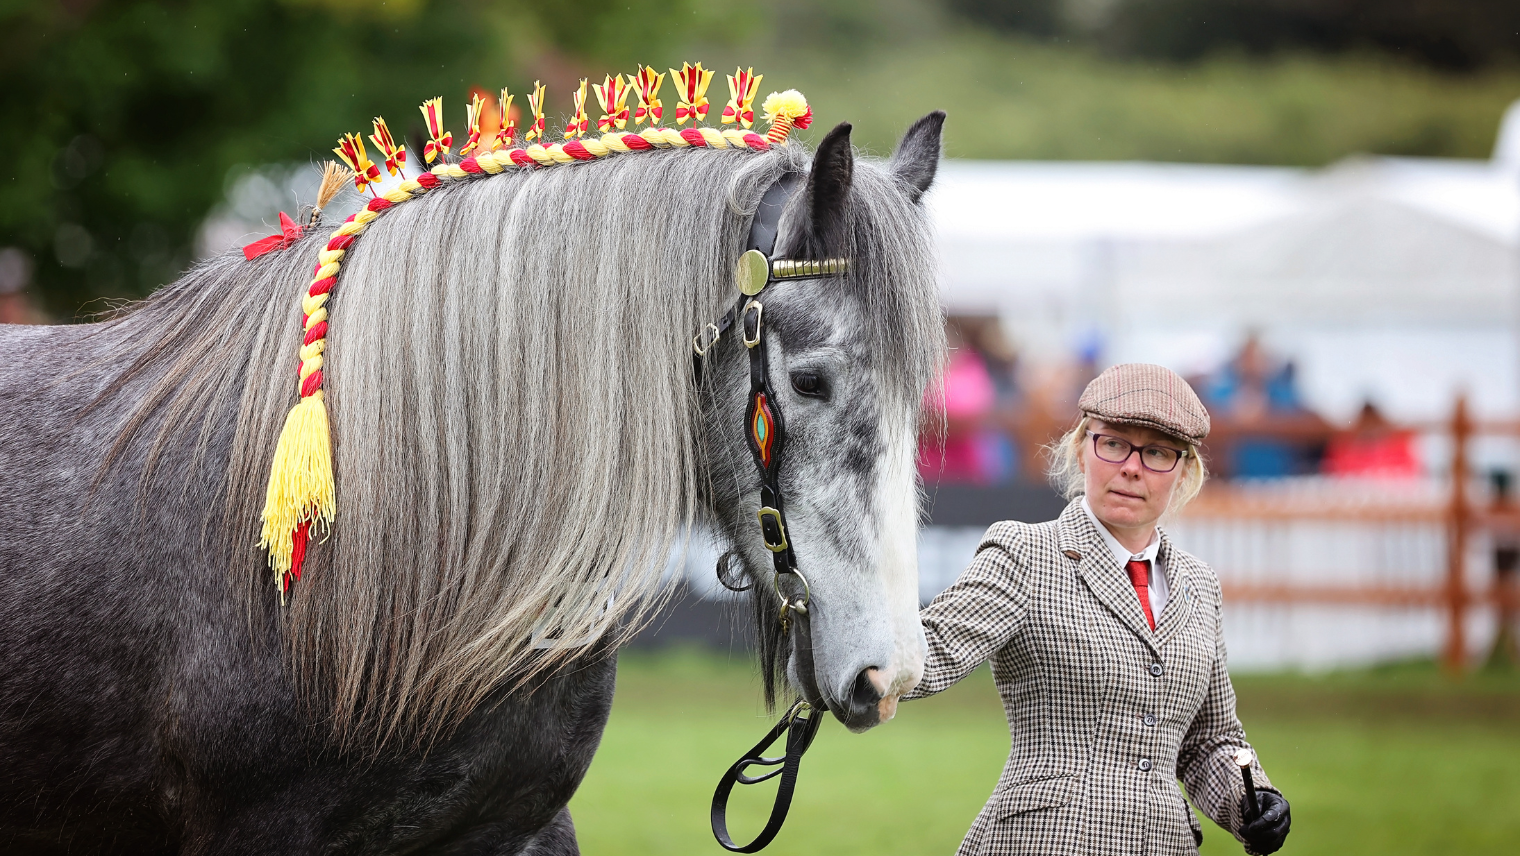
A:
<point x="800" y="709"/>
<point x="775" y="540"/>
<point x="744" y="322"/>
<point x="696" y="341"/>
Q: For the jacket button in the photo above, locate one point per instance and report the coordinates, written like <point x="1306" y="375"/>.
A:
<point x="1145" y="765"/>
<point x="1156" y="670"/>
<point x="1149" y="719"/>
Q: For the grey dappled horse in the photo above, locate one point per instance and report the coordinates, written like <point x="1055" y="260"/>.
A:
<point x="515" y="424"/>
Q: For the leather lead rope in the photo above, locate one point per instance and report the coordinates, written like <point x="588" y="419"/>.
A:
<point x="800" y="731"/>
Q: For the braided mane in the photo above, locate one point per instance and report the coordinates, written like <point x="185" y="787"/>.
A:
<point x="301" y="490"/>
<point x="515" y="433"/>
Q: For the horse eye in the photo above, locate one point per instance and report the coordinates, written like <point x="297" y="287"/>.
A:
<point x="809" y="383"/>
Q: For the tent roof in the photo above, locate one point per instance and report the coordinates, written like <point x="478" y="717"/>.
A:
<point x="1387" y="238"/>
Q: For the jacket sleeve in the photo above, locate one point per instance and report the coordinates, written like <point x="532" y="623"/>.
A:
<point x="973" y="618"/>
<point x="1206" y="760"/>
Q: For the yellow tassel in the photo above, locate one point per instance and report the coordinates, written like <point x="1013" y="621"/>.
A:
<point x="334" y="178"/>
<point x="790" y="104"/>
<point x="300" y="482"/>
<point x="782" y="110"/>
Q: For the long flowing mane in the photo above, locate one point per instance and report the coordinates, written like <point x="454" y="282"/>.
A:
<point x="514" y="426"/>
<point x="516" y="433"/>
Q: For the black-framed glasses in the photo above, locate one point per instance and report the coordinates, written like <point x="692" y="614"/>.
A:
<point x="1116" y="450"/>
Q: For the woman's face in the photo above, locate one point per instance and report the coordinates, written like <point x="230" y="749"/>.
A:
<point x="1128" y="495"/>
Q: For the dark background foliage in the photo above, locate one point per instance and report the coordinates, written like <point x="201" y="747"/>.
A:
<point x="124" y="122"/>
<point x="1450" y="34"/>
<point x="120" y="120"/>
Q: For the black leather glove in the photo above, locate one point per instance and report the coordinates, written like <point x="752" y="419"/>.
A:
<point x="1266" y="830"/>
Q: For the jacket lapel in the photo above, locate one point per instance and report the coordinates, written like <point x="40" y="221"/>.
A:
<point x="1102" y="575"/>
<point x="1179" y="582"/>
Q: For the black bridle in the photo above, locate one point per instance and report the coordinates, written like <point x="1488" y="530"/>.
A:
<point x="765" y="434"/>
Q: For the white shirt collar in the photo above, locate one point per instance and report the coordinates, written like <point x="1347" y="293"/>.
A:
<point x="1121" y="554"/>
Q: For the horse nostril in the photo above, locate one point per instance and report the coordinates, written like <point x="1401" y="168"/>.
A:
<point x="865" y="695"/>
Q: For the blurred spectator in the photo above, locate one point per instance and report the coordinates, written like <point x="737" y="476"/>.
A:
<point x="984" y="335"/>
<point x="977" y="391"/>
<point x="1373" y="447"/>
<point x="1052" y="389"/>
<point x="1505" y="652"/>
<point x="1255" y="399"/>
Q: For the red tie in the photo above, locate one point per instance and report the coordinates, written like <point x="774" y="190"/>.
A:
<point x="1140" y="576"/>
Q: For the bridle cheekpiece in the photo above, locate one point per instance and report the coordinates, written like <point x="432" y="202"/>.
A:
<point x="765" y="430"/>
<point x="765" y="434"/>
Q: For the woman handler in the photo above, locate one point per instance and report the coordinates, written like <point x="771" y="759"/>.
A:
<point x="1107" y="647"/>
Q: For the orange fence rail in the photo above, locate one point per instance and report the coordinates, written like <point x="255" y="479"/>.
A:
<point x="1462" y="519"/>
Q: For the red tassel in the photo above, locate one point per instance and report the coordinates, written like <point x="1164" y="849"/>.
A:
<point x="298" y="552"/>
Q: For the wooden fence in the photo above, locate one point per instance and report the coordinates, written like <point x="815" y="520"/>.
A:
<point x="1416" y="524"/>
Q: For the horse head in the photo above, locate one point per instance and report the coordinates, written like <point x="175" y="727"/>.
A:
<point x="847" y="360"/>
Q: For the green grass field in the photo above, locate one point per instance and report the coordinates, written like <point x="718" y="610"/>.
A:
<point x="1392" y="761"/>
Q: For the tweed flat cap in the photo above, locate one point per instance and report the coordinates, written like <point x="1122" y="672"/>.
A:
<point x="1148" y="396"/>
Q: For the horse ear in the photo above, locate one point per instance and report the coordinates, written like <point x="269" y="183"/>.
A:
<point x="829" y="185"/>
<point x="917" y="156"/>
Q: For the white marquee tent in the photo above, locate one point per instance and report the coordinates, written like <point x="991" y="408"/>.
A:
<point x="1390" y="279"/>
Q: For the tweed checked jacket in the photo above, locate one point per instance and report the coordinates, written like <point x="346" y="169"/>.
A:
<point x="1105" y="714"/>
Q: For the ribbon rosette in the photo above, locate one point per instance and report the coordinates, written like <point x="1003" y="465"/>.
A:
<point x="439" y="140"/>
<point x="742" y="88"/>
<point x="472" y="114"/>
<point x="693" y="92"/>
<point x="385" y="144"/>
<point x="578" y="122"/>
<point x="647" y="85"/>
<point x="613" y="96"/>
<point x="536" y="104"/>
<point x="507" y="135"/>
<point x="290" y="232"/>
<point x="351" y="150"/>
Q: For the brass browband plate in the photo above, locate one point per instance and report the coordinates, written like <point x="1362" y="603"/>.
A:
<point x="803" y="269"/>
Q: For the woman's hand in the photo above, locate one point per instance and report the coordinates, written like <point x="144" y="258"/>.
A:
<point x="1266" y="831"/>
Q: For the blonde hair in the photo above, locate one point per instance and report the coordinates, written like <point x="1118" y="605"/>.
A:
<point x="1067" y="477"/>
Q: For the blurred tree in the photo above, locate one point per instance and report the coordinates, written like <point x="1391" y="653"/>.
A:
<point x="124" y="122"/>
<point x="1034" y="17"/>
<point x="1446" y="34"/>
<point x="121" y="119"/>
<point x="1457" y="35"/>
<point x="847" y="27"/>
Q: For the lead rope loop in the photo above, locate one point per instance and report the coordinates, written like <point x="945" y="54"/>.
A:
<point x="800" y="723"/>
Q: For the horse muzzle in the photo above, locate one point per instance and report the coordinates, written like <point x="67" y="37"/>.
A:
<point x="871" y="700"/>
